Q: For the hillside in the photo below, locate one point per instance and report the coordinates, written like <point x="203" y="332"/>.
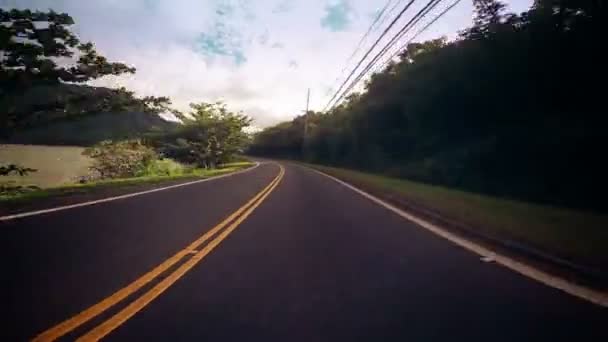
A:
<point x="69" y="114"/>
<point x="88" y="130"/>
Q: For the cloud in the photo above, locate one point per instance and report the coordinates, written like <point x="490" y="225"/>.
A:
<point x="283" y="6"/>
<point x="264" y="37"/>
<point x="338" y="16"/>
<point x="261" y="117"/>
<point x="223" y="37"/>
<point x="218" y="43"/>
<point x="240" y="51"/>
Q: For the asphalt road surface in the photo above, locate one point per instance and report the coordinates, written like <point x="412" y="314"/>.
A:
<point x="288" y="256"/>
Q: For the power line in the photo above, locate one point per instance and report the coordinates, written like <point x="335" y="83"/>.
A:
<point x="390" y="12"/>
<point x="369" y="30"/>
<point x="369" y="51"/>
<point x="423" y="12"/>
<point x="404" y="46"/>
<point x="415" y="19"/>
<point x="404" y="30"/>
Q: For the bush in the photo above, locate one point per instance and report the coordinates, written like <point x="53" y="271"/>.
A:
<point x="120" y="159"/>
<point x="163" y="167"/>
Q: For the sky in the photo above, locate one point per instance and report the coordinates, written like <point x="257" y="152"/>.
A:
<point x="259" y="56"/>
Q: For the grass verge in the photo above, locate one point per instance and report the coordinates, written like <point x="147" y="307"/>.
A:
<point x="576" y="235"/>
<point x="65" y="190"/>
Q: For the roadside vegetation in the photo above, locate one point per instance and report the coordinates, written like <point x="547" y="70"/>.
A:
<point x="122" y="185"/>
<point x="572" y="234"/>
<point x="119" y="138"/>
<point x="501" y="128"/>
<point x="510" y="108"/>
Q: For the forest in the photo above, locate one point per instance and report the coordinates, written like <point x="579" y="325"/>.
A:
<point x="513" y="108"/>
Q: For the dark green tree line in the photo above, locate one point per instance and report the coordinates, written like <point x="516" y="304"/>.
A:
<point x="513" y="107"/>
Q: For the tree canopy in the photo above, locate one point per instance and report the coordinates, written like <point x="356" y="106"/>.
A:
<point x="211" y="135"/>
<point x="512" y="107"/>
<point x="31" y="44"/>
<point x="43" y="66"/>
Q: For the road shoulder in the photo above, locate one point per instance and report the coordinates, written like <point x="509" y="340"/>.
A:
<point x="576" y="284"/>
<point x="74" y="197"/>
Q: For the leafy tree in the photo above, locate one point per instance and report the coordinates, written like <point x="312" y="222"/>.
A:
<point x="210" y="135"/>
<point x="120" y="159"/>
<point x="38" y="55"/>
<point x="30" y="40"/>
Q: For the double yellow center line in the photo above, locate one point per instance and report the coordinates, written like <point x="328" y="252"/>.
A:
<point x="103" y="329"/>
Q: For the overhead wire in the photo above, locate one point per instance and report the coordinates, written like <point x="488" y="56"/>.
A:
<point x="369" y="51"/>
<point x="364" y="37"/>
<point x="390" y="12"/>
<point x="369" y="30"/>
<point x="419" y="32"/>
<point x="413" y="21"/>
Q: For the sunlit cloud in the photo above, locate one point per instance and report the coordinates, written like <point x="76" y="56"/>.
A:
<point x="258" y="56"/>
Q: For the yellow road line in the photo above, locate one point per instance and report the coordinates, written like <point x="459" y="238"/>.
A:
<point x="134" y="307"/>
<point x="72" y="323"/>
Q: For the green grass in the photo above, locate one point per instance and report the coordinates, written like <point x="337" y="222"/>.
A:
<point x="570" y="233"/>
<point x="122" y="182"/>
<point x="56" y="165"/>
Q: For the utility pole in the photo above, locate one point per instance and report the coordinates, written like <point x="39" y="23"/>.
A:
<point x="307" y="100"/>
<point x="305" y="137"/>
<point x="306" y="114"/>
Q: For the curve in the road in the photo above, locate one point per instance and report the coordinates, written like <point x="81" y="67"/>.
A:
<point x="232" y="221"/>
<point x="114" y="198"/>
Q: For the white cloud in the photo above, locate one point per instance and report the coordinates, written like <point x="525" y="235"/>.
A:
<point x="161" y="38"/>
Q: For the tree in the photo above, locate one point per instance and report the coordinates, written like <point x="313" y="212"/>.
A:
<point x="38" y="55"/>
<point x="488" y="16"/>
<point x="120" y="159"/>
<point x="210" y="135"/>
<point x="30" y="40"/>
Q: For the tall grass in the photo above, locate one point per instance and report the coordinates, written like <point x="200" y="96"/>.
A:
<point x="164" y="167"/>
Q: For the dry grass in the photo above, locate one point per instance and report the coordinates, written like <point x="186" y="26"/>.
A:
<point x="56" y="165"/>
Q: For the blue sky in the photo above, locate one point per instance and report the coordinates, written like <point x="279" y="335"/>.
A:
<point x="257" y="55"/>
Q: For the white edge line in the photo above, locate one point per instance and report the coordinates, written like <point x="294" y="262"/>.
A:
<point x="583" y="292"/>
<point x="113" y="198"/>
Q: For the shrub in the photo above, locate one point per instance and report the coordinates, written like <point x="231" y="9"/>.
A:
<point x="121" y="159"/>
<point x="163" y="167"/>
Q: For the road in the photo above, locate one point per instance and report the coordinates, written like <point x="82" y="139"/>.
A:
<point x="303" y="259"/>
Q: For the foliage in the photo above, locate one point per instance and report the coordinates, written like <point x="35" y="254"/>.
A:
<point x="163" y="167"/>
<point x="29" y="41"/>
<point x="210" y="136"/>
<point x="14" y="200"/>
<point x="121" y="159"/>
<point x="9" y="169"/>
<point x="33" y="88"/>
<point x="546" y="228"/>
<point x="6" y="188"/>
<point x="11" y="190"/>
<point x="509" y="108"/>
